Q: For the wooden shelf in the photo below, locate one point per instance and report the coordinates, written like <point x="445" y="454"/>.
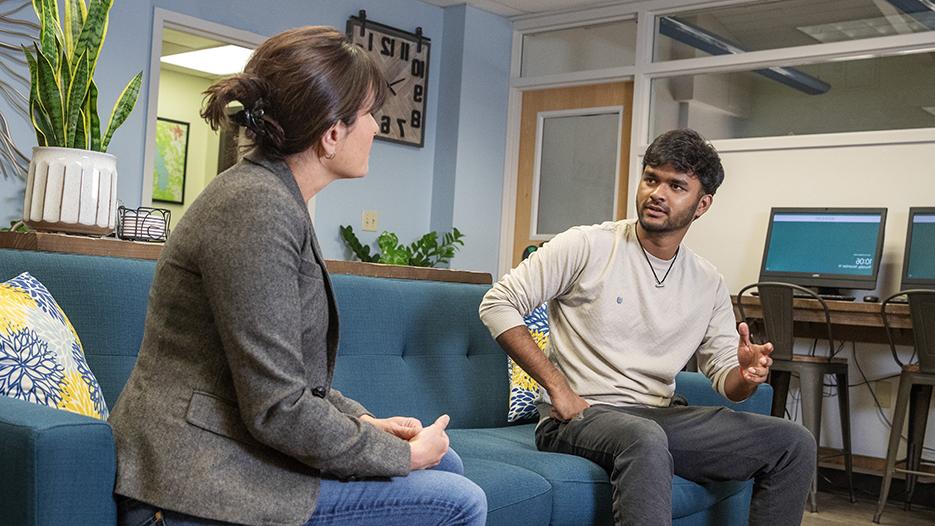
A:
<point x="93" y="246"/>
<point x="76" y="244"/>
<point x="404" y="272"/>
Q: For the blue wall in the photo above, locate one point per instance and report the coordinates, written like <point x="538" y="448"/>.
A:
<point x="485" y="87"/>
<point x="402" y="178"/>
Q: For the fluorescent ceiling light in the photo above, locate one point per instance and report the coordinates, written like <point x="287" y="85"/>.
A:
<point x="857" y="29"/>
<point x="223" y="60"/>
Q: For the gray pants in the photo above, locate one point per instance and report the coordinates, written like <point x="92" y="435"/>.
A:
<point x="641" y="447"/>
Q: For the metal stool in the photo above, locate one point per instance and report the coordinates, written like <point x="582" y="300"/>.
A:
<point x="915" y="393"/>
<point x="776" y="301"/>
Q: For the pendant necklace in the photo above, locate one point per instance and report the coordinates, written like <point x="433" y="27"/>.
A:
<point x="659" y="282"/>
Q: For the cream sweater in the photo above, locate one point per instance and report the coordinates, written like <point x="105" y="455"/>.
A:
<point x="618" y="338"/>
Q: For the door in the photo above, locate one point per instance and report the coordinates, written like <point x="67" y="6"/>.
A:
<point x="574" y="151"/>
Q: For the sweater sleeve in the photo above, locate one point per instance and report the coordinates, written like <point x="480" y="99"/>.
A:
<point x="251" y="260"/>
<point x="717" y="355"/>
<point x="548" y="273"/>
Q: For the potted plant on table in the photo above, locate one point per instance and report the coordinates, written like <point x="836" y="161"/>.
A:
<point x="72" y="183"/>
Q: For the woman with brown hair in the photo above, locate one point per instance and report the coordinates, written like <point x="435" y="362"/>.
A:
<point x="229" y="415"/>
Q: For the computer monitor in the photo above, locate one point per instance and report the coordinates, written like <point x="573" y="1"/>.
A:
<point x="827" y="248"/>
<point x="919" y="258"/>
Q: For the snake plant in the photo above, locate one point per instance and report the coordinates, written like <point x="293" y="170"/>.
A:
<point x="63" y="95"/>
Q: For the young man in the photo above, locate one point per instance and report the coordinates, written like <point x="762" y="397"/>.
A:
<point x="629" y="305"/>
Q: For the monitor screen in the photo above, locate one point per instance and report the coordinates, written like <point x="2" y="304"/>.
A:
<point x="824" y="247"/>
<point x="919" y="258"/>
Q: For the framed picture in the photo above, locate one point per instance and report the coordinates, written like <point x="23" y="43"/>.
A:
<point x="171" y="161"/>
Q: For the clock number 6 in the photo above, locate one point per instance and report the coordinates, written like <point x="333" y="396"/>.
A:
<point x="385" y="124"/>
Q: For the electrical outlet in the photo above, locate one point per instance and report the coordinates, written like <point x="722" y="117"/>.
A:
<point x="884" y="390"/>
<point x="368" y="221"/>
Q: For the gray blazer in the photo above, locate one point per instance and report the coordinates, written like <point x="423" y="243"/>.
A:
<point x="229" y="413"/>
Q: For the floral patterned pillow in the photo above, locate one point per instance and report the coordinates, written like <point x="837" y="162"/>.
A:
<point x="41" y="358"/>
<point x="524" y="390"/>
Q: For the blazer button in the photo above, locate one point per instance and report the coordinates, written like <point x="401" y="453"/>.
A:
<point x="319" y="391"/>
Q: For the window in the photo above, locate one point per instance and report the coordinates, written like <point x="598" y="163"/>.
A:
<point x="576" y="169"/>
<point x="879" y="93"/>
<point x="579" y="48"/>
<point x="775" y="24"/>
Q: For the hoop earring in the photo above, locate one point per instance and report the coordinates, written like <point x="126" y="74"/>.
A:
<point x="330" y="156"/>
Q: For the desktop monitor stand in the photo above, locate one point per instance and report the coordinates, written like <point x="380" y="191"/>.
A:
<point x="833" y="293"/>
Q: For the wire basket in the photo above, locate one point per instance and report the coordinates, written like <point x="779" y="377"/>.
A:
<point x="143" y="224"/>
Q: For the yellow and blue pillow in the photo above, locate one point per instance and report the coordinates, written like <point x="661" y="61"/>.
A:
<point x="41" y="358"/>
<point x="524" y="390"/>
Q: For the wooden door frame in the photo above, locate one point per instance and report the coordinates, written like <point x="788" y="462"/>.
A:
<point x="511" y="162"/>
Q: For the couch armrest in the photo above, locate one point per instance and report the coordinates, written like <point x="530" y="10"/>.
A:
<point x="697" y="389"/>
<point x="58" y="467"/>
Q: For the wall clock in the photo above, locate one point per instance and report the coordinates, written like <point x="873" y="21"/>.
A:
<point x="404" y="59"/>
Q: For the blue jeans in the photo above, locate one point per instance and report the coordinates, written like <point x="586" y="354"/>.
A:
<point x="437" y="496"/>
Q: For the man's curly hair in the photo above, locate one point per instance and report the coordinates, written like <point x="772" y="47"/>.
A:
<point x="688" y="152"/>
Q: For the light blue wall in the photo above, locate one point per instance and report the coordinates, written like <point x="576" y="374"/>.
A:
<point x="480" y="138"/>
<point x="449" y="111"/>
<point x="401" y="180"/>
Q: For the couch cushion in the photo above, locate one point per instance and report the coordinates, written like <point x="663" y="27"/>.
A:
<point x="41" y="358"/>
<point x="515" y="495"/>
<point x="580" y="487"/>
<point x="418" y="348"/>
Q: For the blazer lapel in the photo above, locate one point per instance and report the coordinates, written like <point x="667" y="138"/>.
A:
<point x="282" y="171"/>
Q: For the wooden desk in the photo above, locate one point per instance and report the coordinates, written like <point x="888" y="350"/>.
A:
<point x="850" y="320"/>
<point x="49" y="242"/>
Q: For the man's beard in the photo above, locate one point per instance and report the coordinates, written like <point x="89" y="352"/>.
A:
<point x="671" y="222"/>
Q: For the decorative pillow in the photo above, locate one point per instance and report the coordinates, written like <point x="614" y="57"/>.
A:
<point x="41" y="358"/>
<point x="523" y="389"/>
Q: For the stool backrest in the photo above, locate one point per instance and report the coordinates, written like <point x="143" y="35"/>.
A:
<point x="922" y="313"/>
<point x="776" y="300"/>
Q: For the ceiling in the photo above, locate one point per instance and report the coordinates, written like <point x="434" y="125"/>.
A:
<point x="752" y="26"/>
<point x="523" y="7"/>
<point x="174" y="41"/>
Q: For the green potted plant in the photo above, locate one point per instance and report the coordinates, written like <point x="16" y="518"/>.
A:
<point x="425" y="252"/>
<point x="72" y="183"/>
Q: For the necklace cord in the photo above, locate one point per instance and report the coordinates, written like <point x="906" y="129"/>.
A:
<point x="648" y="262"/>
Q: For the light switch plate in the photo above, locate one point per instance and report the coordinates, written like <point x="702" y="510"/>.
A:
<point x="368" y="221"/>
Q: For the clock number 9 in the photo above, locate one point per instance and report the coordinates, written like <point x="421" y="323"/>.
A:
<point x="418" y="68"/>
<point x="385" y="124"/>
<point x="417" y="93"/>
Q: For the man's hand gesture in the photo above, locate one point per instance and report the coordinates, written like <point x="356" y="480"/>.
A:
<point x="754" y="359"/>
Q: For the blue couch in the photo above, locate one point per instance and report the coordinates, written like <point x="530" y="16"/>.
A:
<point x="407" y="347"/>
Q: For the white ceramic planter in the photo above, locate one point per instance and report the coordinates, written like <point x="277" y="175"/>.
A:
<point x="69" y="190"/>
